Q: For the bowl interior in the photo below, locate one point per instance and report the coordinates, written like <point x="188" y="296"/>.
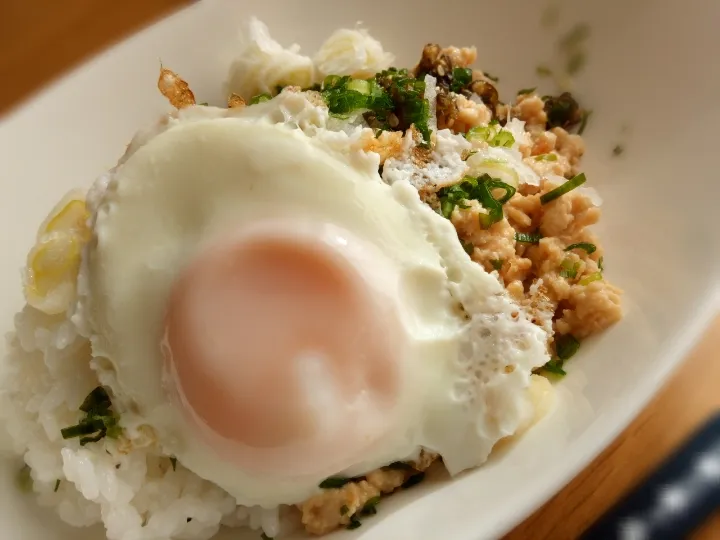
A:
<point x="651" y="79"/>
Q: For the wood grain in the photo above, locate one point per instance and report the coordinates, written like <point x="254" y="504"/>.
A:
<point x="688" y="399"/>
<point x="41" y="39"/>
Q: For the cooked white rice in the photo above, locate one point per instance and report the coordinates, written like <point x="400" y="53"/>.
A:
<point x="129" y="486"/>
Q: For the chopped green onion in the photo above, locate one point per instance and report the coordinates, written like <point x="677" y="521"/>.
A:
<point x="414" y="480"/>
<point x="600" y="263"/>
<point x="344" y="510"/>
<point x="99" y="420"/>
<point x="497" y="264"/>
<point x="468" y="247"/>
<point x="476" y="189"/>
<point x="587" y="280"/>
<point x="479" y="133"/>
<point x="494" y="207"/>
<point x="461" y="77"/>
<point x="369" y="508"/>
<point x="503" y="139"/>
<point x="260" y="98"/>
<point x="528" y="238"/>
<point x="359" y="85"/>
<point x="335" y="482"/>
<point x="586" y="246"/>
<point x="584" y="121"/>
<point x="563" y="189"/>
<point x="546" y="157"/>
<point x="526" y="91"/>
<point x="57" y="485"/>
<point x="86" y="428"/>
<point x="543" y="71"/>
<point x="92" y="438"/>
<point x="173" y="462"/>
<point x="618" y="150"/>
<point x="23" y="480"/>
<point x="354" y="523"/>
<point x="566" y="346"/>
<point x="98" y="399"/>
<point x="494" y="183"/>
<point x="554" y="366"/>
<point x="569" y="269"/>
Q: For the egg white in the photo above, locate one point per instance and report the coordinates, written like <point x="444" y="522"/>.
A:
<point x="207" y="171"/>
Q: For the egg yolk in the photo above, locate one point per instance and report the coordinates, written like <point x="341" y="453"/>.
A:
<point x="279" y="347"/>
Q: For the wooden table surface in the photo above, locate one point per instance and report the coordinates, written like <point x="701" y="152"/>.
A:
<point x="40" y="39"/>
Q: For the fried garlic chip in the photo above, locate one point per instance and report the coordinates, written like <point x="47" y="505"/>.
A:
<point x="235" y="101"/>
<point x="175" y="89"/>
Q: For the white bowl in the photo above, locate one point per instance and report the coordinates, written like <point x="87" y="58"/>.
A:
<point x="652" y="81"/>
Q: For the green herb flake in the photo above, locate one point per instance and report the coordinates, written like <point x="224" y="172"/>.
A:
<point x="370" y="506"/>
<point x="568" y="186"/>
<point x="528" y="238"/>
<point x="491" y="77"/>
<point x="335" y="482"/>
<point x="468" y="247"/>
<point x="57" y="485"/>
<point x="601" y="260"/>
<point x="566" y="346"/>
<point x="587" y="280"/>
<point x="555" y="366"/>
<point x="99" y="420"/>
<point x="354" y="523"/>
<point x="569" y="269"/>
<point x="585" y="246"/>
<point x="584" y="122"/>
<point x="525" y="91"/>
<point x="260" y="98"/>
<point x="23" y="480"/>
<point x="414" y="480"/>
<point x="497" y="264"/>
<point x="204" y="104"/>
<point x="344" y="510"/>
<point x="543" y="71"/>
<point x="618" y="150"/>
<point x="173" y="462"/>
<point x="461" y="78"/>
<point x="546" y="157"/>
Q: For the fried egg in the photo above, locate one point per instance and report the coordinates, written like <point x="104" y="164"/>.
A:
<point x="277" y="314"/>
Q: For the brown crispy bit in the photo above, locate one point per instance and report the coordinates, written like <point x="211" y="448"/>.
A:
<point x="175" y="89"/>
<point x="388" y="144"/>
<point x="235" y="102"/>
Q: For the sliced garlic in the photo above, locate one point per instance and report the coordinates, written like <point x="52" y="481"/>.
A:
<point x="69" y="215"/>
<point x="53" y="263"/>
